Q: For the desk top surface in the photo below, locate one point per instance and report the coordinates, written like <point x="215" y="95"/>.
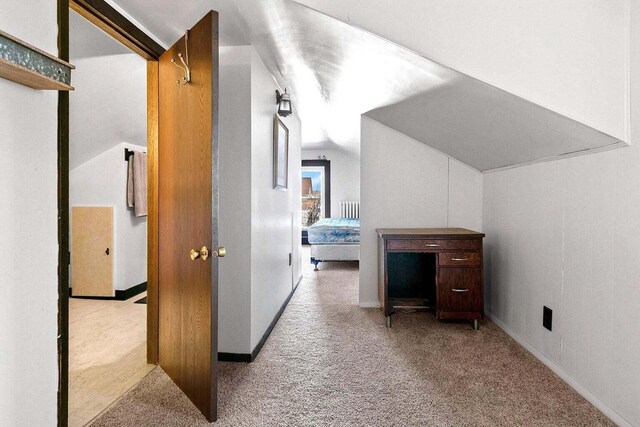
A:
<point x="428" y="232"/>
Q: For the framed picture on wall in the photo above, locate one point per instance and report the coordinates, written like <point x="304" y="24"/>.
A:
<point x="280" y="154"/>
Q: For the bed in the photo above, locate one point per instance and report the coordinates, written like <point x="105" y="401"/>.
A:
<point x="334" y="239"/>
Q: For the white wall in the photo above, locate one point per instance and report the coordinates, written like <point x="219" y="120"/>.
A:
<point x="345" y="175"/>
<point x="570" y="56"/>
<point x="564" y="234"/>
<point x="102" y="181"/>
<point x="405" y="183"/>
<point x="275" y="215"/>
<point x="258" y="225"/>
<point x="234" y="224"/>
<point x="28" y="223"/>
<point x="464" y="197"/>
<point x="108" y="106"/>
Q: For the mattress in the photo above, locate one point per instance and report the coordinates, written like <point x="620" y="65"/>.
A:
<point x="331" y="231"/>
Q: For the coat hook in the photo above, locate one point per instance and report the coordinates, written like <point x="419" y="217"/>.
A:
<point x="185" y="64"/>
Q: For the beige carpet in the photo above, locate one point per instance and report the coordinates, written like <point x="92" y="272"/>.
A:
<point x="330" y="363"/>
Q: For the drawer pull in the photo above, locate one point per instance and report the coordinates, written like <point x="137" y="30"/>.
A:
<point x="459" y="259"/>
<point x="432" y="245"/>
<point x="459" y="290"/>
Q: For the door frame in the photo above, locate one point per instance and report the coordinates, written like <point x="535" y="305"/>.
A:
<point x="119" y="27"/>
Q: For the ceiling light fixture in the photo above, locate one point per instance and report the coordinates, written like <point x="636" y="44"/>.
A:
<point x="284" y="103"/>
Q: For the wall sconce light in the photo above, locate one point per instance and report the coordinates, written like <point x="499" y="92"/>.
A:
<point x="284" y="103"/>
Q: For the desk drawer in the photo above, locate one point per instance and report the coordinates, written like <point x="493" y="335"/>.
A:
<point x="432" y="244"/>
<point x="416" y="244"/>
<point x="465" y="259"/>
<point x="474" y="244"/>
<point x="460" y="290"/>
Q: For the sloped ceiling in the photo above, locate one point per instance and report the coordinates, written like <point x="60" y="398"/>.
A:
<point x="86" y="41"/>
<point x="487" y="128"/>
<point x="109" y="105"/>
<point x="336" y="72"/>
<point x="570" y="56"/>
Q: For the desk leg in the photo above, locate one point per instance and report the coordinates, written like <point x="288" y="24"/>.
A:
<point x="476" y="325"/>
<point x="388" y="321"/>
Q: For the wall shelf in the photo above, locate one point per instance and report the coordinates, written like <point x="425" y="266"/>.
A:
<point x="29" y="66"/>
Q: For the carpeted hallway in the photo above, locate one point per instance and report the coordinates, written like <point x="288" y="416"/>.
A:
<point x="330" y="363"/>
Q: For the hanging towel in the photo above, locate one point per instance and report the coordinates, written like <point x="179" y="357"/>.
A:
<point x="137" y="183"/>
<point x="130" y="182"/>
<point x="140" y="183"/>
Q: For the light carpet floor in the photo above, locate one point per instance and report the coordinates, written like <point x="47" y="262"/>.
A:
<point x="330" y="363"/>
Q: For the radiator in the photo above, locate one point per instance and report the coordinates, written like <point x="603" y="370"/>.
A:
<point x="350" y="209"/>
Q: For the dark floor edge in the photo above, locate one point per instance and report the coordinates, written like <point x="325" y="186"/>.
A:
<point x="120" y="295"/>
<point x="266" y="334"/>
<point x="248" y="358"/>
<point x="234" y="357"/>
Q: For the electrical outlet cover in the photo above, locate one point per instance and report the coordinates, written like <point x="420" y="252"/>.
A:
<point x="547" y="317"/>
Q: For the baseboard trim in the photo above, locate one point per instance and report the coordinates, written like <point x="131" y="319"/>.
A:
<point x="369" y="304"/>
<point x="131" y="292"/>
<point x="120" y="295"/>
<point x="234" y="357"/>
<point x="248" y="358"/>
<point x="266" y="334"/>
<point x="595" y="401"/>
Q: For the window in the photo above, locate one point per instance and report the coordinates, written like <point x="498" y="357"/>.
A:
<point x="315" y="191"/>
<point x="312" y="195"/>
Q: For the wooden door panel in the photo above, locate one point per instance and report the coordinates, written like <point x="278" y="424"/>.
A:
<point x="187" y="215"/>
<point x="92" y="251"/>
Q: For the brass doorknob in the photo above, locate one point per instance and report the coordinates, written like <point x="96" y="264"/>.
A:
<point x="220" y="253"/>
<point x="204" y="253"/>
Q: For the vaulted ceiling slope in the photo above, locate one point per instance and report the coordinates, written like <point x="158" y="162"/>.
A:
<point x="109" y="104"/>
<point x="570" y="56"/>
<point x="337" y="71"/>
<point x="488" y="128"/>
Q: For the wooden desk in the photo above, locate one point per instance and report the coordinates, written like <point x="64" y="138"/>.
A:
<point x="449" y="260"/>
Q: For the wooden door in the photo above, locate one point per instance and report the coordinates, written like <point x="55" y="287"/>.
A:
<point x="92" y="251"/>
<point x="188" y="214"/>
